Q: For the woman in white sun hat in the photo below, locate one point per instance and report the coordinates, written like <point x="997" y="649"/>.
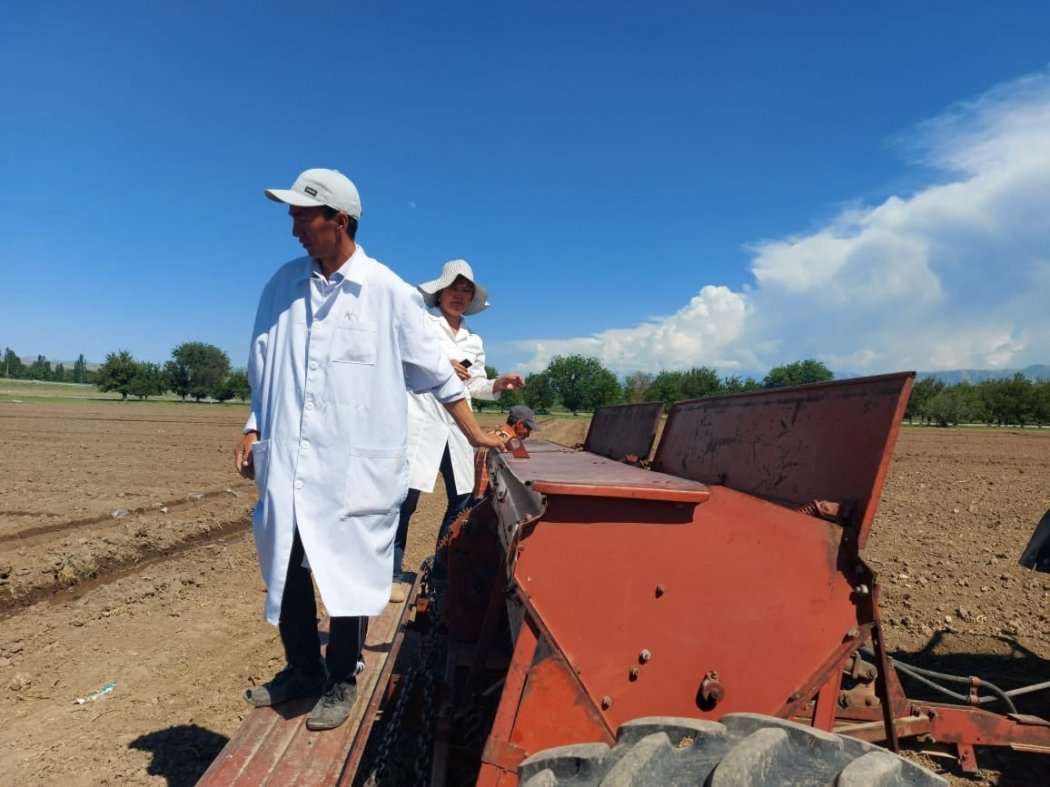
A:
<point x="434" y="443"/>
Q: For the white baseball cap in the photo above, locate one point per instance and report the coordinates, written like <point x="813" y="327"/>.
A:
<point x="316" y="187"/>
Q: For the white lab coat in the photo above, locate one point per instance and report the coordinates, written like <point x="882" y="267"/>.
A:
<point x="328" y="369"/>
<point x="430" y="427"/>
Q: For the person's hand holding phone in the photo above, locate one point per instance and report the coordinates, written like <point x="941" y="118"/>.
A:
<point x="462" y="368"/>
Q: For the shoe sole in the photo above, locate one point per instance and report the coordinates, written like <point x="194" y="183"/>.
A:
<point x="314" y="726"/>
<point x="268" y="703"/>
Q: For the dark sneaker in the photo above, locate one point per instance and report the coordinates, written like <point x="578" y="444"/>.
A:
<point x="289" y="683"/>
<point x="334" y="706"/>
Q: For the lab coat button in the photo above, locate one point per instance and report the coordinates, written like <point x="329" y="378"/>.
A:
<point x="298" y="484"/>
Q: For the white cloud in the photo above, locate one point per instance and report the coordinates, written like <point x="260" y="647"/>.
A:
<point x="953" y="275"/>
<point x="699" y="334"/>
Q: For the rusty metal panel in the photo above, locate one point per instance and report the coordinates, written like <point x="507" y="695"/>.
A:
<point x="830" y="441"/>
<point x="644" y="612"/>
<point x="548" y="471"/>
<point x="623" y="431"/>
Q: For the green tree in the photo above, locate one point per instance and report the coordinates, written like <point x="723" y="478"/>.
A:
<point x="40" y="369"/>
<point x="177" y="379"/>
<point x="582" y="382"/>
<point x="797" y="373"/>
<point x="235" y="386"/>
<point x="921" y="394"/>
<point x="696" y="383"/>
<point x="1021" y="397"/>
<point x="80" y="370"/>
<point x="117" y="373"/>
<point x="667" y="387"/>
<point x="952" y="405"/>
<point x="636" y="387"/>
<point x="1010" y="401"/>
<point x="198" y="369"/>
<point x="59" y="375"/>
<point x="13" y="366"/>
<point x="147" y="381"/>
<point x="1041" y="402"/>
<point x="539" y="394"/>
<point x="737" y="384"/>
<point x="700" y="382"/>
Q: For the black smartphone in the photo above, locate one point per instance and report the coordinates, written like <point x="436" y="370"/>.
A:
<point x="465" y="363"/>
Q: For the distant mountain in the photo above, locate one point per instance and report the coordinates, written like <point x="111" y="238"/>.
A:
<point x="1039" y="371"/>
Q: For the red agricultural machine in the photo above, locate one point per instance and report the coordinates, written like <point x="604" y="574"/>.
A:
<point x="706" y="618"/>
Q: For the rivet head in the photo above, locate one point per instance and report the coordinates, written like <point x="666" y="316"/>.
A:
<point x="644" y="656"/>
<point x="660" y="590"/>
<point x="606" y="702"/>
<point x="635" y="672"/>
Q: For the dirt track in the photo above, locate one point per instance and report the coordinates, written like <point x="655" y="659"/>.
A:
<point x="95" y="495"/>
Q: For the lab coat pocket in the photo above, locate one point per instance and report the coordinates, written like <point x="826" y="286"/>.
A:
<point x="376" y="480"/>
<point x="261" y="462"/>
<point x="354" y="342"/>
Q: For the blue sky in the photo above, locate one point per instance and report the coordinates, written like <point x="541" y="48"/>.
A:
<point x="660" y="185"/>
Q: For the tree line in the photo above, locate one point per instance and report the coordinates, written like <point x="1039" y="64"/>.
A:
<point x="1016" y="401"/>
<point x="196" y="370"/>
<point x="14" y="368"/>
<point x="575" y="383"/>
<point x="581" y="383"/>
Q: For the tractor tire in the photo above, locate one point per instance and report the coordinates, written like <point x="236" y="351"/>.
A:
<point x="743" y="749"/>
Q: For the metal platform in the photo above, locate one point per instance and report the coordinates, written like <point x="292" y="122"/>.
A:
<point x="273" y="746"/>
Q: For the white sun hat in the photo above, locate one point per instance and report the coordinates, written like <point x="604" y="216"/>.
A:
<point x="316" y="187"/>
<point x="449" y="272"/>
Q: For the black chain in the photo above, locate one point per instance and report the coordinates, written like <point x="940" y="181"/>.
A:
<point x="431" y="658"/>
<point x="382" y="759"/>
<point x="428" y="674"/>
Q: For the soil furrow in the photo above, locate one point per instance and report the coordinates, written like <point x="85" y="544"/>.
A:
<point x="33" y="534"/>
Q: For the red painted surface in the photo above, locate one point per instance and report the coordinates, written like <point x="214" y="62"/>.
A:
<point x="579" y="474"/>
<point x="637" y="586"/>
<point x="750" y="589"/>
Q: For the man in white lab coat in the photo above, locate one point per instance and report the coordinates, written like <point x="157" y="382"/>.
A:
<point x="337" y="338"/>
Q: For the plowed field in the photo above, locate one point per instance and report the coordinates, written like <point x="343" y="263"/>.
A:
<point x="126" y="559"/>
